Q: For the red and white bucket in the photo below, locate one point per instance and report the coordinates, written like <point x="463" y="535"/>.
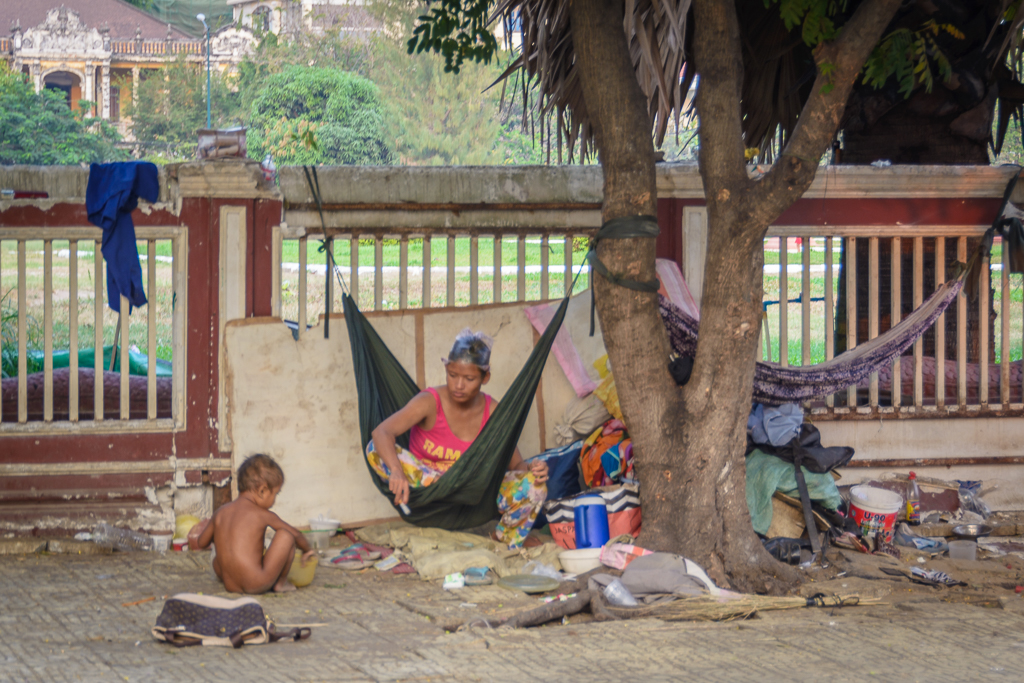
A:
<point x="875" y="510"/>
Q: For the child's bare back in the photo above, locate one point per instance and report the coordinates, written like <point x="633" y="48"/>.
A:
<point x="238" y="530"/>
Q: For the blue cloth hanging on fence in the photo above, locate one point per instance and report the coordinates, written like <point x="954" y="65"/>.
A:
<point x="112" y="195"/>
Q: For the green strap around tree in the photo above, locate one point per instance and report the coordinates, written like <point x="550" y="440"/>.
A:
<point x="466" y="496"/>
<point x="625" y="227"/>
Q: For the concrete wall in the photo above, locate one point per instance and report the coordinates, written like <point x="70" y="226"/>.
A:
<point x="937" y="438"/>
<point x="296" y="400"/>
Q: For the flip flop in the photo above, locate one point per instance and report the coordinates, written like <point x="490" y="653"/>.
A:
<point x="353" y="557"/>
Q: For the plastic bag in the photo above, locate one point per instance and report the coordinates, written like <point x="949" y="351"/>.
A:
<point x="619" y="555"/>
<point x="541" y="569"/>
<point x="971" y="501"/>
<point x="609" y="396"/>
<point x="905" y="536"/>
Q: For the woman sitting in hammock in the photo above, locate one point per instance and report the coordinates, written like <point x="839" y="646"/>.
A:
<point x="442" y="423"/>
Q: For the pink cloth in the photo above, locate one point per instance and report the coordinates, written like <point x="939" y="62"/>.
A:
<point x="673" y="287"/>
<point x="438" y="446"/>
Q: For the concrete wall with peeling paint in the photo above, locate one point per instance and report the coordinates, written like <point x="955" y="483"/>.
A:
<point x="296" y="400"/>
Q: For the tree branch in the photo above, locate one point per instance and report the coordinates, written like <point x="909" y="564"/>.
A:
<point x="790" y="177"/>
<point x="616" y="108"/>
<point x="716" y="49"/>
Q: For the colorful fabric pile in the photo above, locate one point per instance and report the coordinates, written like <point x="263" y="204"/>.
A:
<point x="607" y="456"/>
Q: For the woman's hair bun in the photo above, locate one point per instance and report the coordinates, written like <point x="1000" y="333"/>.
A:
<point x="472" y="347"/>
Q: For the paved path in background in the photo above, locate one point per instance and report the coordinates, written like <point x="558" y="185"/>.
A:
<point x="62" y="619"/>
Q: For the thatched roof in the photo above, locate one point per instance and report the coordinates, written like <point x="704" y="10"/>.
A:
<point x="658" y="45"/>
<point x="779" y="66"/>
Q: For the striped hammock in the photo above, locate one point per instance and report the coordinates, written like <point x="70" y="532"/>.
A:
<point x="775" y="385"/>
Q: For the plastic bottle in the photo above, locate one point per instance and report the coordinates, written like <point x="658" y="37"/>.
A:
<point x="913" y="500"/>
<point x="122" y="539"/>
<point x="269" y="169"/>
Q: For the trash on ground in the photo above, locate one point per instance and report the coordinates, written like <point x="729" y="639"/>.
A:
<point x="453" y="581"/>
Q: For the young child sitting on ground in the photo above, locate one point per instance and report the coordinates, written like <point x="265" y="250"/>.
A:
<point x="238" y="528"/>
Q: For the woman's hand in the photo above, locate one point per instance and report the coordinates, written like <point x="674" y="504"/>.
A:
<point x="540" y="471"/>
<point x="399" y="486"/>
<point x="306" y="557"/>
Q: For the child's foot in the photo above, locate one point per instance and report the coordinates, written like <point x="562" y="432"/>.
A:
<point x="284" y="586"/>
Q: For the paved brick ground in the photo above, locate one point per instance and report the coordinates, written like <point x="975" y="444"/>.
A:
<point x="62" y="619"/>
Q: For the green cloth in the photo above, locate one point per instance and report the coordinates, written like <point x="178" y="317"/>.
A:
<point x="466" y="496"/>
<point x="767" y="474"/>
<point x="138" y="363"/>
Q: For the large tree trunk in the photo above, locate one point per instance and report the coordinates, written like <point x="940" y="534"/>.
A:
<point x="690" y="443"/>
<point x="689" y="452"/>
<point x="951" y="124"/>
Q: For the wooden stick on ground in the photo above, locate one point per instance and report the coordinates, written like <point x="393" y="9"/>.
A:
<point x="556" y="609"/>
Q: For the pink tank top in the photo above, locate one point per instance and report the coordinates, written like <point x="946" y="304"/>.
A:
<point x="438" y="447"/>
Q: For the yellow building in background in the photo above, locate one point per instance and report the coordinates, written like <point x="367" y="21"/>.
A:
<point x="100" y="50"/>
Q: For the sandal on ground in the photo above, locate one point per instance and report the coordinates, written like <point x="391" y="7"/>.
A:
<point x="348" y="564"/>
<point x="478" y="576"/>
<point x="353" y="557"/>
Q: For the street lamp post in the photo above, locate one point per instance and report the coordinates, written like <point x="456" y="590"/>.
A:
<point x="202" y="18"/>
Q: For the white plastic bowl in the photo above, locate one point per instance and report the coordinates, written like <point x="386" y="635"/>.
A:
<point x="580" y="560"/>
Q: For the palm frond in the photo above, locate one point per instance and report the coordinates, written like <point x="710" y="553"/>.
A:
<point x="657" y="35"/>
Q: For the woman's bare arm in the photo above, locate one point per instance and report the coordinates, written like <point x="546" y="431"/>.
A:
<point x="415" y="412"/>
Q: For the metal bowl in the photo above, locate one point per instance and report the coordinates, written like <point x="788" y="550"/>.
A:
<point x="971" y="531"/>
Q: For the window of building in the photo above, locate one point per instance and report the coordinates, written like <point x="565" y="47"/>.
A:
<point x="261" y="18"/>
<point x="115" y="103"/>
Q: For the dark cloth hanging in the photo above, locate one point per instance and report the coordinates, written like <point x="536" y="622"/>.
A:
<point x="466" y="496"/>
<point x="112" y="194"/>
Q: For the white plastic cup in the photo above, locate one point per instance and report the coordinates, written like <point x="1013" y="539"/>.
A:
<point x="619" y="595"/>
<point x="161" y="542"/>
<point x="963" y="550"/>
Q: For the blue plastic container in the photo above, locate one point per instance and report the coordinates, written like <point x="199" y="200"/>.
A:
<point x="591" y="519"/>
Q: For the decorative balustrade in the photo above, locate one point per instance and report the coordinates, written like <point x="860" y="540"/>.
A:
<point x="157" y="47"/>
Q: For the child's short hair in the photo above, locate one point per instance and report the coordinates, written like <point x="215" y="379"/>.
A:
<point x="259" y="469"/>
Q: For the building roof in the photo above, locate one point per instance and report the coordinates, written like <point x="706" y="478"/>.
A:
<point x="122" y="17"/>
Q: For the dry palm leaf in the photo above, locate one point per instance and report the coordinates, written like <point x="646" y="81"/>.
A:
<point x="657" y="35"/>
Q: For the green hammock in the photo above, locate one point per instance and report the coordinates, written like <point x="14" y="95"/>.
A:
<point x="466" y="496"/>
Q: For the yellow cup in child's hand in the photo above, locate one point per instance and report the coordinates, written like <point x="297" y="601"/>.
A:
<point x="301" y="575"/>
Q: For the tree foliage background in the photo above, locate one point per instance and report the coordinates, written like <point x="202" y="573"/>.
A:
<point x="418" y="116"/>
<point x="341" y="109"/>
<point x="41" y="129"/>
<point x="172" y="106"/>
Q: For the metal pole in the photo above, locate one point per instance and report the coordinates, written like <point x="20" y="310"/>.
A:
<point x="208" y="123"/>
<point x="202" y="18"/>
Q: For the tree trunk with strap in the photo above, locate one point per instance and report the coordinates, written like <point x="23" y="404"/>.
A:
<point x="690" y="442"/>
